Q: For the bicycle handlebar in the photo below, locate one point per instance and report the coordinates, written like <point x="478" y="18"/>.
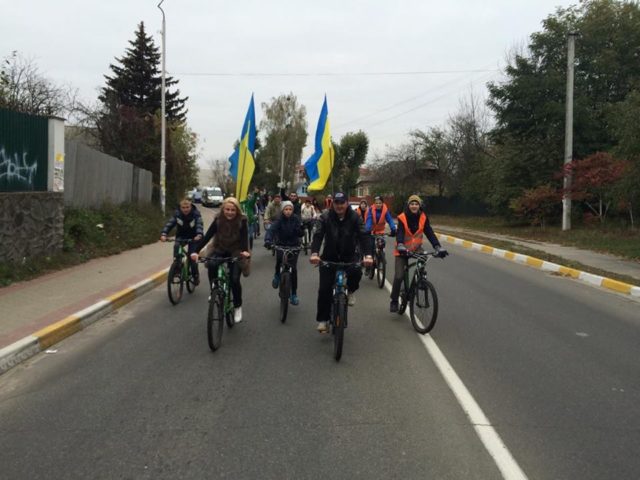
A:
<point x="219" y="259"/>
<point x="284" y="248"/>
<point x="343" y="265"/>
<point x="181" y="240"/>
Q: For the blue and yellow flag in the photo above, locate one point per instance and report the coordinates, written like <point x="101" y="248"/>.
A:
<point x="242" y="162"/>
<point x="320" y="164"/>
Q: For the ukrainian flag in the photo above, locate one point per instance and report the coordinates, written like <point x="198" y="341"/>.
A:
<point x="320" y="164"/>
<point x="242" y="161"/>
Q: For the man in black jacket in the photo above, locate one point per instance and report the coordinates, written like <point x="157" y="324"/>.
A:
<point x="342" y="230"/>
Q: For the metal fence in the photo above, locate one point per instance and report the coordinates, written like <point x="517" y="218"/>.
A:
<point x="92" y="178"/>
<point x="23" y="152"/>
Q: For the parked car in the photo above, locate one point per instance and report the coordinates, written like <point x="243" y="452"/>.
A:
<point x="212" y="197"/>
<point x="195" y="195"/>
<point x="354" y="205"/>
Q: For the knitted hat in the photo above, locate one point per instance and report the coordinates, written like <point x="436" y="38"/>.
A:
<point x="286" y="204"/>
<point x="414" y="198"/>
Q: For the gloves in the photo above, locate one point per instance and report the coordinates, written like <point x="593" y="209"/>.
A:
<point x="441" y="252"/>
<point x="401" y="248"/>
<point x="393" y="233"/>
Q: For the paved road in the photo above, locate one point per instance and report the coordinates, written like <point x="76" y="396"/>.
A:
<point x="552" y="363"/>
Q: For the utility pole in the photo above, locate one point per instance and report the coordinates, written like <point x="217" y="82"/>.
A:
<point x="163" y="127"/>
<point x="288" y="119"/>
<point x="568" y="134"/>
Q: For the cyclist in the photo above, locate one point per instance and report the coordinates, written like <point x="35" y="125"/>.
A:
<point x="362" y="211"/>
<point x="377" y="217"/>
<point x="273" y="210"/>
<point x="188" y="222"/>
<point x="230" y="235"/>
<point x="413" y="223"/>
<point x="307" y="215"/>
<point x="342" y="230"/>
<point x="249" y="209"/>
<point x="286" y="231"/>
<point x="294" y="199"/>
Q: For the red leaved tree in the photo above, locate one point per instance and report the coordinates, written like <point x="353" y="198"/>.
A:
<point x="594" y="181"/>
<point x="537" y="204"/>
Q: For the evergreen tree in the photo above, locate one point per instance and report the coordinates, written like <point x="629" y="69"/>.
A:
<point x="137" y="81"/>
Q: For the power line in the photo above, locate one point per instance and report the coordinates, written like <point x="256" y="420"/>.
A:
<point x="328" y="74"/>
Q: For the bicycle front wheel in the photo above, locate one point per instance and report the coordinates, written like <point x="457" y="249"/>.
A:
<point x="175" y="283"/>
<point x="381" y="271"/>
<point x="285" y="293"/>
<point x="424" y="306"/>
<point x="215" y="321"/>
<point x="339" y="323"/>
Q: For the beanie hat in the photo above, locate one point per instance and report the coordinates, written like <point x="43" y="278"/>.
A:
<point x="415" y="198"/>
<point x="286" y="204"/>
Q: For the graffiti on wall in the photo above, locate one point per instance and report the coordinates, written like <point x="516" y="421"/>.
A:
<point x="16" y="168"/>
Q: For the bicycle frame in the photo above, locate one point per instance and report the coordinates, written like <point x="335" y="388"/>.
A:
<point x="420" y="270"/>
<point x="222" y="279"/>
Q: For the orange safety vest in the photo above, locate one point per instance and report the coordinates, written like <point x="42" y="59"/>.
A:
<point x="378" y="225"/>
<point x="412" y="240"/>
<point x="360" y="213"/>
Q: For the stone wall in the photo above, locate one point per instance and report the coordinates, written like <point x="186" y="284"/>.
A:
<point x="31" y="224"/>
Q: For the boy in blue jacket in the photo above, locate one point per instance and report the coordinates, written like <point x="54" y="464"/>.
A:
<point x="188" y="222"/>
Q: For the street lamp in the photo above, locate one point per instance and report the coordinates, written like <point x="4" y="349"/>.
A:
<point x="287" y="125"/>
<point x="163" y="127"/>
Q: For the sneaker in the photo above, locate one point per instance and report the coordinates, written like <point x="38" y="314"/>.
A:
<point x="351" y="299"/>
<point x="275" y="283"/>
<point x="237" y="315"/>
<point x="323" y="327"/>
<point x="393" y="307"/>
<point x="294" y="300"/>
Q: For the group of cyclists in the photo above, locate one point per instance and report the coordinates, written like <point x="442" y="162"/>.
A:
<point x="337" y="233"/>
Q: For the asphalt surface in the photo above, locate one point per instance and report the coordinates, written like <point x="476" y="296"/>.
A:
<point x="552" y="363"/>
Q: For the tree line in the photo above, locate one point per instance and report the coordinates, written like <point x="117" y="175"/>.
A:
<point x="508" y="153"/>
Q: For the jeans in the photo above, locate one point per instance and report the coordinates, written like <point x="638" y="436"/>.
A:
<point x="398" y="277"/>
<point x="325" y="290"/>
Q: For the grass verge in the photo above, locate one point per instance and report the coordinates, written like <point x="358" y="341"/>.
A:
<point x="513" y="247"/>
<point x="90" y="234"/>
<point x="608" y="238"/>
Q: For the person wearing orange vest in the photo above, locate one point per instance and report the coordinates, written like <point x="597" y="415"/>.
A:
<point x="378" y="216"/>
<point x="413" y="223"/>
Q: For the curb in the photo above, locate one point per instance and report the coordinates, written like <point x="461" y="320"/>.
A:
<point x="585" y="277"/>
<point x="27" y="347"/>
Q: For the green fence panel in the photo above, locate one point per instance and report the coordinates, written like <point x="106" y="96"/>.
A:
<point x="23" y="152"/>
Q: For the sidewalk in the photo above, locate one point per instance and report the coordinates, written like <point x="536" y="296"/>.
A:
<point x="32" y="305"/>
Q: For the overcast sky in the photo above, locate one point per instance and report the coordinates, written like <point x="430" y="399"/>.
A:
<point x="74" y="41"/>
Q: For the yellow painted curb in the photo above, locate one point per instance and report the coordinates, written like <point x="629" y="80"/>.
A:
<point x="58" y="331"/>
<point x="617" y="286"/>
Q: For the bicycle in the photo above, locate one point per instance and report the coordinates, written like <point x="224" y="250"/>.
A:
<point x="379" y="268"/>
<point x="286" y="270"/>
<point x="339" y="305"/>
<point x="220" y="301"/>
<point x="420" y="294"/>
<point x="180" y="272"/>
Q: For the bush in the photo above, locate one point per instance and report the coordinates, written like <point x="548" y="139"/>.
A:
<point x="537" y="204"/>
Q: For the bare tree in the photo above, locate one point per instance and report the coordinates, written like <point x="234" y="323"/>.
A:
<point x="24" y="88"/>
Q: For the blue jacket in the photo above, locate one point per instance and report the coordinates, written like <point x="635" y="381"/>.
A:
<point x="377" y="212"/>
<point x="187" y="226"/>
<point x="285" y="231"/>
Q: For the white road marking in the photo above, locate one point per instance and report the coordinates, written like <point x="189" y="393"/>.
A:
<point x="488" y="435"/>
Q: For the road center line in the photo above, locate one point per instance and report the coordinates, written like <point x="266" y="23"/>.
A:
<point x="482" y="425"/>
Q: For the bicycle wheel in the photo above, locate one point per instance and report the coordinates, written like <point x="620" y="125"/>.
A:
<point x="381" y="271"/>
<point x="402" y="306"/>
<point x="191" y="281"/>
<point x="228" y="316"/>
<point x="215" y="323"/>
<point x="285" y="293"/>
<point x="339" y="323"/>
<point x="424" y="306"/>
<point x="175" y="283"/>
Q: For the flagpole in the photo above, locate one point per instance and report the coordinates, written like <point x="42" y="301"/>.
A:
<point x="241" y="176"/>
<point x="333" y="191"/>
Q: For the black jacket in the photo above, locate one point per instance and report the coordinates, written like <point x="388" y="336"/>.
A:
<point x="187" y="226"/>
<point x="340" y="237"/>
<point x="297" y="205"/>
<point x="285" y="231"/>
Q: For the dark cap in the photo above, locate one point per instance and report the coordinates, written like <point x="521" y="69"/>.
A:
<point x="339" y="198"/>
